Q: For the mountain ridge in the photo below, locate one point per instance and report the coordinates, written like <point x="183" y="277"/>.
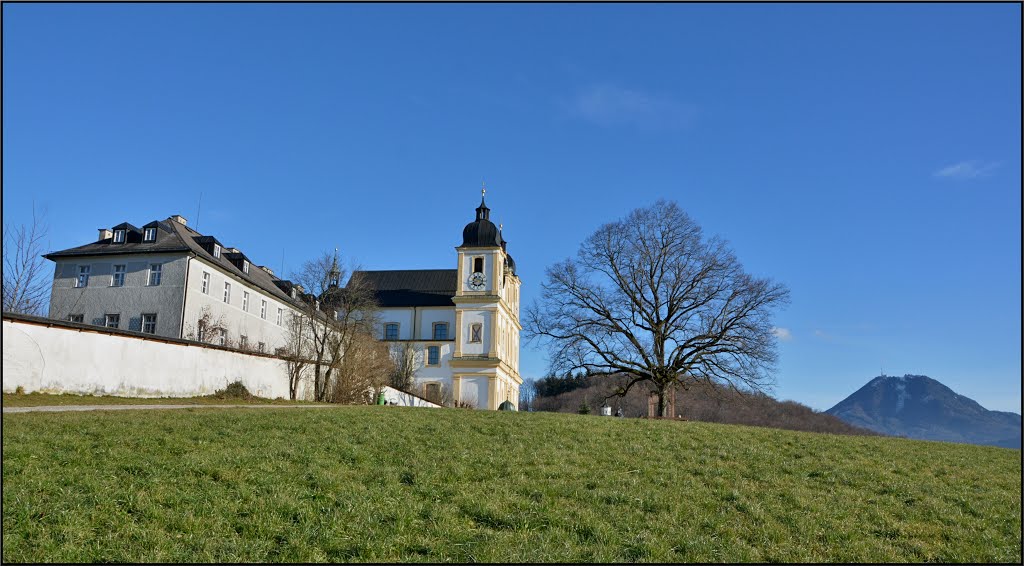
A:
<point x="917" y="406"/>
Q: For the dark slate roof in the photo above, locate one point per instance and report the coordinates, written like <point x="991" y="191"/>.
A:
<point x="412" y="287"/>
<point x="167" y="240"/>
<point x="173" y="236"/>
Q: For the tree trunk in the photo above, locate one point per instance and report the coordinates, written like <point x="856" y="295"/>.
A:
<point x="662" y="406"/>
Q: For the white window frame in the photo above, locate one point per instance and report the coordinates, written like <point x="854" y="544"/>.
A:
<point x="227" y="292"/>
<point x="83" y="276"/>
<point x="245" y="301"/>
<point x="157" y="270"/>
<point x="263" y="309"/>
<point x="261" y="347"/>
<point x="216" y="250"/>
<point x="114" y="281"/>
<point x="153" y="322"/>
<point x="280" y="316"/>
<point x="245" y="266"/>
<point x="106" y="320"/>
<point x="149" y="235"/>
<point x="72" y="317"/>
<point x="119" y="236"/>
<point x="206" y="283"/>
<point x="201" y="331"/>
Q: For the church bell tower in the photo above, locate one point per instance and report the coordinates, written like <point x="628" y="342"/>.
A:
<point x="486" y="357"/>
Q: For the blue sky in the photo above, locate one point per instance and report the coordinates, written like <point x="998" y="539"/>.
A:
<point x="866" y="155"/>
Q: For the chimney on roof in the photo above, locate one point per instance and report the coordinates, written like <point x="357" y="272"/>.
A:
<point x="105" y="234"/>
<point x="180" y="219"/>
<point x="267" y="269"/>
<point x="232" y="250"/>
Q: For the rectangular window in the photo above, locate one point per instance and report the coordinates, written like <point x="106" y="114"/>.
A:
<point x="149" y="323"/>
<point x="245" y="301"/>
<point x="261" y="347"/>
<point x="112" y="320"/>
<point x="478" y="265"/>
<point x="206" y="283"/>
<point x="201" y="331"/>
<point x="280" y="316"/>
<point x="244" y="341"/>
<point x="83" y="276"/>
<point x="432" y="391"/>
<point x="155" y="269"/>
<point x="117" y="280"/>
<point x="474" y="332"/>
<point x="216" y="250"/>
<point x="76" y="318"/>
<point x="263" y="310"/>
<point x="227" y="292"/>
<point x="245" y="266"/>
<point x="433" y="355"/>
<point x="149" y="235"/>
<point x="391" y="331"/>
<point x="440" y="331"/>
<point x="118" y="236"/>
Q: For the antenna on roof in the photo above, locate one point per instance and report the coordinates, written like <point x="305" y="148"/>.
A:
<point x="199" y="209"/>
<point x="282" y="262"/>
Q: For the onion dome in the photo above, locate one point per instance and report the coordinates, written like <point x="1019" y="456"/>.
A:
<point x="481" y="232"/>
<point x="506" y="406"/>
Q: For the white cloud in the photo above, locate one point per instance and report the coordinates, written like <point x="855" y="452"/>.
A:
<point x="782" y="333"/>
<point x="608" y="105"/>
<point x="967" y="170"/>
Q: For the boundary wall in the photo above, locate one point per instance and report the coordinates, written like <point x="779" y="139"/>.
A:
<point x="51" y="356"/>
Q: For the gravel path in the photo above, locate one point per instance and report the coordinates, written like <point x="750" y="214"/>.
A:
<point x="59" y="408"/>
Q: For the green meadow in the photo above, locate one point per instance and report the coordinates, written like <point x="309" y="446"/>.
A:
<point x="388" y="484"/>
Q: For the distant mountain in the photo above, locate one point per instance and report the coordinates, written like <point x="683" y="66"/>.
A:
<point x="916" y="406"/>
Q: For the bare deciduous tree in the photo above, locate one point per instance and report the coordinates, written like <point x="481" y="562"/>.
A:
<point x="364" y="368"/>
<point x="649" y="296"/>
<point x="404" y="357"/>
<point x="334" y="317"/>
<point x="297" y="353"/>
<point x="26" y="277"/>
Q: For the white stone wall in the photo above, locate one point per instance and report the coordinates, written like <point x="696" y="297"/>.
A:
<point x="59" y="359"/>
<point x="403" y="399"/>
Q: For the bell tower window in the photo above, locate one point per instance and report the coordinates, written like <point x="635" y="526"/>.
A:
<point x="478" y="265"/>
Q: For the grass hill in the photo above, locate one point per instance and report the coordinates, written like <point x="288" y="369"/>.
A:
<point x="917" y="406"/>
<point x="706" y="402"/>
<point x="389" y="484"/>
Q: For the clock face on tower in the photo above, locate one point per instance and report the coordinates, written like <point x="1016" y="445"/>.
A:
<point x="476" y="281"/>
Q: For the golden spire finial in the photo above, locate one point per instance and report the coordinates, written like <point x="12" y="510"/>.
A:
<point x="483" y="189"/>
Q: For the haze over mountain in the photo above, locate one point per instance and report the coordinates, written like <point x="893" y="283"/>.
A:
<point x="917" y="406"/>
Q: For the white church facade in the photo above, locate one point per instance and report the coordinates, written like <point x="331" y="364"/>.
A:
<point x="460" y="325"/>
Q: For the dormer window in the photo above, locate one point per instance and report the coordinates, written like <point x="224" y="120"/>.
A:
<point x="216" y="250"/>
<point x="118" y="236"/>
<point x="149" y="235"/>
<point x="245" y="266"/>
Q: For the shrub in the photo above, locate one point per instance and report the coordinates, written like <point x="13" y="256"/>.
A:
<point x="19" y="390"/>
<point x="234" y="390"/>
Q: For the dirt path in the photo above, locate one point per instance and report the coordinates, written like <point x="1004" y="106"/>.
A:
<point x="59" y="408"/>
